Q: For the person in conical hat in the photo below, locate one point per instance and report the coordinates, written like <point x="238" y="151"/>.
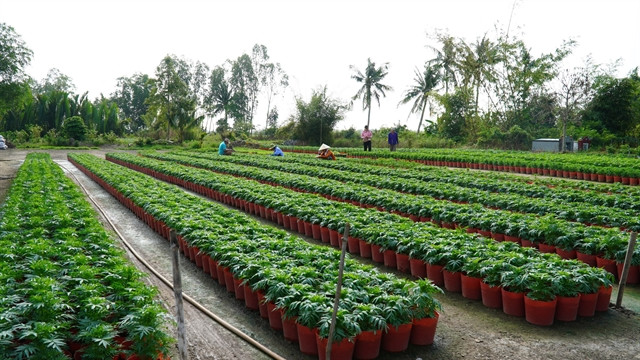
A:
<point x="325" y="152"/>
<point x="276" y="151"/>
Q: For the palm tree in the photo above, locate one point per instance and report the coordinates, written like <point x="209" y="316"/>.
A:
<point x="478" y="64"/>
<point x="371" y="86"/>
<point x="423" y="87"/>
<point x="220" y="97"/>
<point x="448" y="59"/>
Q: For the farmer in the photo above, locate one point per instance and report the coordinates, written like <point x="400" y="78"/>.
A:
<point x="225" y="148"/>
<point x="276" y="151"/>
<point x="393" y="140"/>
<point x="366" y="136"/>
<point x="325" y="152"/>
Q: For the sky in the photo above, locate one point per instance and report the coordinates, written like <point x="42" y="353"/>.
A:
<point x="94" y="42"/>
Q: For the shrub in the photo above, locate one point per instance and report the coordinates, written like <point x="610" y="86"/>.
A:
<point x="75" y="128"/>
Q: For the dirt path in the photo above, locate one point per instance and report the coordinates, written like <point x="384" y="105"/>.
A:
<point x="466" y="329"/>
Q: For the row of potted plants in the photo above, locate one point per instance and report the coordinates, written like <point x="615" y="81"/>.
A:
<point x="601" y="164"/>
<point x="585" y="213"/>
<point x="391" y="237"/>
<point x="296" y="280"/>
<point x="66" y="289"/>
<point x="472" y="180"/>
<point x="569" y="239"/>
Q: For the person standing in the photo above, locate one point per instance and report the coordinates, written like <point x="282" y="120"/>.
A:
<point x="366" y="136"/>
<point x="393" y="140"/>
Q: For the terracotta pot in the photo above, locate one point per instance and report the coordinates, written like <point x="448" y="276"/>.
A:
<point x="626" y="180"/>
<point x="308" y="229"/>
<point x="213" y="268"/>
<point x="609" y="178"/>
<point x="484" y="233"/>
<point x="325" y="236"/>
<point x="289" y="328"/>
<point x="418" y="268"/>
<point x="452" y="281"/>
<point x="634" y="181"/>
<point x="617" y="178"/>
<point x="470" y="287"/>
<point x="607" y="264"/>
<point x="510" y="238"/>
<point x="339" y="350"/>
<point x="602" y="178"/>
<point x="588" y="304"/>
<point x="497" y="236"/>
<point x="566" y="254"/>
<point x="280" y="218"/>
<point x="396" y="339"/>
<point x="293" y="223"/>
<point x="527" y="243"/>
<point x="307" y="340"/>
<point x="368" y="345"/>
<point x="275" y="318"/>
<point x="633" y="277"/>
<point x="513" y="303"/>
<point x="545" y="248"/>
<point x="334" y="237"/>
<point x="300" y="226"/>
<point x="389" y="258"/>
<point x="586" y="258"/>
<point x="491" y="295"/>
<point x="365" y="249"/>
<point x="250" y="298"/>
<point x="604" y="297"/>
<point x="228" y="280"/>
<point x="262" y="305"/>
<point x="238" y="288"/>
<point x="423" y="330"/>
<point x="567" y="308"/>
<point x="376" y="254"/>
<point x="435" y="274"/>
<point x="220" y="272"/>
<point x="316" y="232"/>
<point x="538" y="312"/>
<point x="352" y="245"/>
<point x="286" y="221"/>
<point x="402" y="262"/>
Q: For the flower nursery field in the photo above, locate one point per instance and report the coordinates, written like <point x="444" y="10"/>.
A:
<point x="409" y="221"/>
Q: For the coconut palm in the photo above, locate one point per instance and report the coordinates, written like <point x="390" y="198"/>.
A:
<point x="423" y="88"/>
<point x="371" y="84"/>
<point x="448" y="59"/>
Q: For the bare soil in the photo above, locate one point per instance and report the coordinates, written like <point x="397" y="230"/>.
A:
<point x="466" y="329"/>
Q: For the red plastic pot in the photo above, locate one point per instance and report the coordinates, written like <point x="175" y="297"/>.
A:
<point x="418" y="268"/>
<point x="300" y="227"/>
<point x="213" y="268"/>
<point x="435" y="274"/>
<point x="607" y="264"/>
<point x="513" y="303"/>
<point x="586" y="258"/>
<point x="289" y="328"/>
<point x="262" y="305"/>
<point x="538" y="312"/>
<point x="352" y="245"/>
<point x="307" y="340"/>
<point x="220" y="272"/>
<point x="423" y="330"/>
<point x="396" y="339"/>
<point x="588" y="302"/>
<point x="497" y="236"/>
<point x="566" y="254"/>
<point x="339" y="350"/>
<point x="567" y="308"/>
<point x="604" y="297"/>
<point x="491" y="295"/>
<point x="527" y="243"/>
<point x="334" y="237"/>
<point x="545" y="248"/>
<point x="286" y="221"/>
<point x="402" y="262"/>
<point x="228" y="280"/>
<point x="470" y="287"/>
<point x="325" y="234"/>
<point x="238" y="288"/>
<point x="510" y="238"/>
<point x="368" y="345"/>
<point x="308" y="229"/>
<point x="275" y="318"/>
<point x="316" y="232"/>
<point x="452" y="281"/>
<point x="633" y="277"/>
<point x="250" y="298"/>
<point x="365" y="248"/>
<point x="376" y="254"/>
<point x="389" y="258"/>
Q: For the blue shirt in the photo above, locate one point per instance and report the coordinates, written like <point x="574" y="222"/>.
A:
<point x="277" y="152"/>
<point x="222" y="148"/>
<point x="393" y="138"/>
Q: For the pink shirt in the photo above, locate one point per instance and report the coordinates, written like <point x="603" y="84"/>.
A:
<point x="366" y="135"/>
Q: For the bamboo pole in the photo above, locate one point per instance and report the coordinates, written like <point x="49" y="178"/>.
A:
<point x="177" y="292"/>
<point x="336" y="301"/>
<point x="625" y="268"/>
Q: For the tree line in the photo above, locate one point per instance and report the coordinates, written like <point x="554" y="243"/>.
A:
<point x="492" y="92"/>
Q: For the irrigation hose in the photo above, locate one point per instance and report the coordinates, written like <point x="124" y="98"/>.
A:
<point x="189" y="299"/>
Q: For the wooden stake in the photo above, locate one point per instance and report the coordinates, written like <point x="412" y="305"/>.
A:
<point x="625" y="268"/>
<point x="336" y="301"/>
<point x="177" y="292"/>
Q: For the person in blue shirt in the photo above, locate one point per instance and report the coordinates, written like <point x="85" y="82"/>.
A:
<point x="393" y="140"/>
<point x="276" y="151"/>
<point x="225" y="148"/>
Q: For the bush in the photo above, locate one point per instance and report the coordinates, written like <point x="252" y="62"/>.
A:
<point x="75" y="128"/>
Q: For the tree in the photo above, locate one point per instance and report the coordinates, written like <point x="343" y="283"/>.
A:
<point x="275" y="79"/>
<point x="55" y="81"/>
<point x="447" y="59"/>
<point x="458" y="110"/>
<point x="219" y="98"/>
<point x="131" y="97"/>
<point x="244" y="86"/>
<point x="14" y="58"/>
<point x="74" y="128"/>
<point x="574" y="93"/>
<point x="371" y="85"/>
<point x="424" y="86"/>
<point x="478" y="65"/>
<point x="316" y="119"/>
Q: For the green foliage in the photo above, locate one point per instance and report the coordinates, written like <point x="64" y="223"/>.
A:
<point x="74" y="128"/>
<point x="458" y="111"/>
<point x="315" y="120"/>
<point x="372" y="86"/>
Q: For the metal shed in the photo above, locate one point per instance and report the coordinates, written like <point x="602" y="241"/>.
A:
<point x="551" y="145"/>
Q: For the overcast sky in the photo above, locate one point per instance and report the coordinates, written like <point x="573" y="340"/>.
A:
<point x="94" y="42"/>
